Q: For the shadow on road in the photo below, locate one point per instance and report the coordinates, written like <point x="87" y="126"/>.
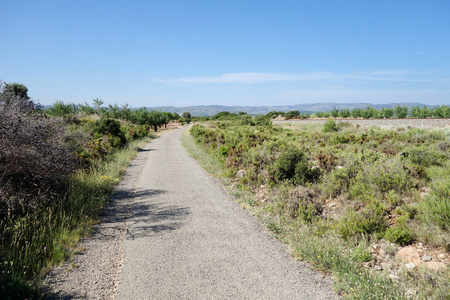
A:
<point x="145" y="150"/>
<point x="150" y="219"/>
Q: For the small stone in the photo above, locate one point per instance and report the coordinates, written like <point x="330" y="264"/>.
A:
<point x="441" y="256"/>
<point x="420" y="244"/>
<point x="410" y="266"/>
<point x="393" y="277"/>
<point x="382" y="254"/>
<point x="423" y="195"/>
<point x="241" y="173"/>
<point x="387" y="265"/>
<point x="426" y="258"/>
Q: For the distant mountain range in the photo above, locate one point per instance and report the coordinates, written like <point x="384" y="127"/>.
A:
<point x="210" y="110"/>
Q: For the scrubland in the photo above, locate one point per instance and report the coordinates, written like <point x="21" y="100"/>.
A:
<point x="346" y="199"/>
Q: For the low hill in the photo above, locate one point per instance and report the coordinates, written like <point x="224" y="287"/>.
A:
<point x="210" y="110"/>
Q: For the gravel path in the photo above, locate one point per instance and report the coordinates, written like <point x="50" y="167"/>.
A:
<point x="384" y="123"/>
<point x="188" y="239"/>
<point x="183" y="237"/>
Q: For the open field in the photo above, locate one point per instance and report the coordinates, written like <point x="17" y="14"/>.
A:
<point x="384" y="123"/>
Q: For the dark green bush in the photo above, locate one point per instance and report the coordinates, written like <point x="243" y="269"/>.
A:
<point x="132" y="131"/>
<point x="400" y="232"/>
<point x="293" y="166"/>
<point x="111" y="127"/>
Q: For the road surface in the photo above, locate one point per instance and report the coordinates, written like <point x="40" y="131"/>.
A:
<point x="188" y="239"/>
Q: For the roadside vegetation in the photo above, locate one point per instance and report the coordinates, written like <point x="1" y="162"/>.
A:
<point x="58" y="167"/>
<point x="346" y="199"/>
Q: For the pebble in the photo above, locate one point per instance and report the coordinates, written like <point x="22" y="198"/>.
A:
<point x="410" y="266"/>
<point x="426" y="258"/>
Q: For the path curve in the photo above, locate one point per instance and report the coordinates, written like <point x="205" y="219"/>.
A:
<point x="188" y="239"/>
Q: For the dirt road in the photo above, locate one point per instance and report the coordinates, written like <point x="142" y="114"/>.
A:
<point x="187" y="239"/>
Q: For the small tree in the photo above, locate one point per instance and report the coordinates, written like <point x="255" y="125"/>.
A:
<point x="187" y="116"/>
<point x="61" y="109"/>
<point x="16" y="89"/>
<point x="86" y="109"/>
<point x="335" y="112"/>
<point x="401" y="111"/>
<point x="16" y="95"/>
<point x="344" y="113"/>
<point x="98" y="104"/>
<point x="356" y="112"/>
<point x="292" y="114"/>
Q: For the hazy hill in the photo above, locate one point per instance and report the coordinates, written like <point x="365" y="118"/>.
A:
<point x="210" y="110"/>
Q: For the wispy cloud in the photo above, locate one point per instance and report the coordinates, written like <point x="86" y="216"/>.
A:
<point x="367" y="96"/>
<point x="388" y="72"/>
<point x="263" y="77"/>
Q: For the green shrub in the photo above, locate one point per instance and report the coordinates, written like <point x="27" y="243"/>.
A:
<point x="370" y="220"/>
<point x="335" y="182"/>
<point x="111" y="127"/>
<point x="360" y="254"/>
<point x="132" y="131"/>
<point x="293" y="165"/>
<point x="436" y="207"/>
<point x="337" y="139"/>
<point x="380" y="177"/>
<point x="400" y="232"/>
<point x="330" y="126"/>
<point x="246" y="120"/>
<point x="360" y="188"/>
<point x="424" y="158"/>
<point x="388" y="175"/>
<point x="393" y="199"/>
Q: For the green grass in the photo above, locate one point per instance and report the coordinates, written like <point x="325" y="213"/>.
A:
<point x="37" y="241"/>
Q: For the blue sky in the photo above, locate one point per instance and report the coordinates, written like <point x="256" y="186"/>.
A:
<point x="180" y="53"/>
